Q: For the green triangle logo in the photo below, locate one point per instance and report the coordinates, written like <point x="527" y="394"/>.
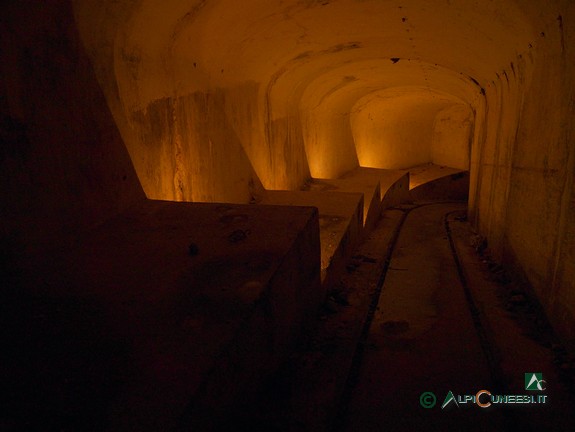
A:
<point x="533" y="381"/>
<point x="448" y="399"/>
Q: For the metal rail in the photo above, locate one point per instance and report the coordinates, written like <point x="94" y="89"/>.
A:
<point x="488" y="346"/>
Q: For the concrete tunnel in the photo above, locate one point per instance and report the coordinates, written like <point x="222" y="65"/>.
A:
<point x="110" y="106"/>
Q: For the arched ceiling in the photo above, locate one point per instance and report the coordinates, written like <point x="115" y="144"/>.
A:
<point x="309" y="61"/>
<point x="187" y="45"/>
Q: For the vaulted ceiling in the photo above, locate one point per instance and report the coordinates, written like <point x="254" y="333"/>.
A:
<point x="300" y="87"/>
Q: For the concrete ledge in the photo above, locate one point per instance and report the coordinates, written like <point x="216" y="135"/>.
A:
<point x="426" y="173"/>
<point x="168" y="304"/>
<point x="381" y="189"/>
<point x="351" y="183"/>
<point x="340" y="224"/>
<point x="393" y="184"/>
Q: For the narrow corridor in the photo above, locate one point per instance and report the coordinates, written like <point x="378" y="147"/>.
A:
<point x="208" y="217"/>
<point x="429" y="335"/>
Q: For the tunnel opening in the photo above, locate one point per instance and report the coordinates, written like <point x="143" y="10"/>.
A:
<point x="401" y="128"/>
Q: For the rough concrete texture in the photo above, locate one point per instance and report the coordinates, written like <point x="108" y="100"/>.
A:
<point x="340" y="224"/>
<point x="299" y="89"/>
<point x="422" y="308"/>
<point x="384" y="135"/>
<point x="105" y="102"/>
<point x="433" y="331"/>
<point x="422" y="338"/>
<point x="166" y="311"/>
<point x="368" y="186"/>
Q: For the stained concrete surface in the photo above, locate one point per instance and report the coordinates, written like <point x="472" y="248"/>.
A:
<point x="374" y="353"/>
<point x="105" y="101"/>
<point x="421" y="339"/>
<point x="285" y="77"/>
<point x="424" y="338"/>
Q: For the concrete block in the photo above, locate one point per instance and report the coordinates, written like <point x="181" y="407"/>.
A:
<point x="340" y="224"/>
<point x="189" y="305"/>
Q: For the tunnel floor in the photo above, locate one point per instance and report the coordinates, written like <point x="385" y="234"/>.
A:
<point x="419" y="311"/>
<point x="419" y="308"/>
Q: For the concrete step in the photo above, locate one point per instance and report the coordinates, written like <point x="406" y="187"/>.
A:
<point x="431" y="182"/>
<point x="340" y="224"/>
<point x="380" y="188"/>
<point x="393" y="184"/>
<point x="345" y="218"/>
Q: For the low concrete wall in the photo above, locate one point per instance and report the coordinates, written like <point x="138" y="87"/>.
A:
<point x="164" y="304"/>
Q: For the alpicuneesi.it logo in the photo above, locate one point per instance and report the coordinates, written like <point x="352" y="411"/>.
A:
<point x="534" y="381"/>
<point x="484" y="398"/>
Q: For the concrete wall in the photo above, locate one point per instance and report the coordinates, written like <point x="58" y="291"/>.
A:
<point x="185" y="140"/>
<point x="393" y="135"/>
<point x="64" y="166"/>
<point x="404" y="127"/>
<point x="451" y="139"/>
<point x="329" y="141"/>
<point x="188" y="150"/>
<point x="540" y="238"/>
<point x="524" y="198"/>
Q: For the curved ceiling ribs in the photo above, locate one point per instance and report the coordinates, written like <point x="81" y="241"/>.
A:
<point x="301" y="87"/>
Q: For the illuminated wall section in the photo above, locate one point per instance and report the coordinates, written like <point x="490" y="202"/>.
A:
<point x="217" y="99"/>
<point x="452" y="137"/>
<point x="395" y="128"/>
<point x="183" y="129"/>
